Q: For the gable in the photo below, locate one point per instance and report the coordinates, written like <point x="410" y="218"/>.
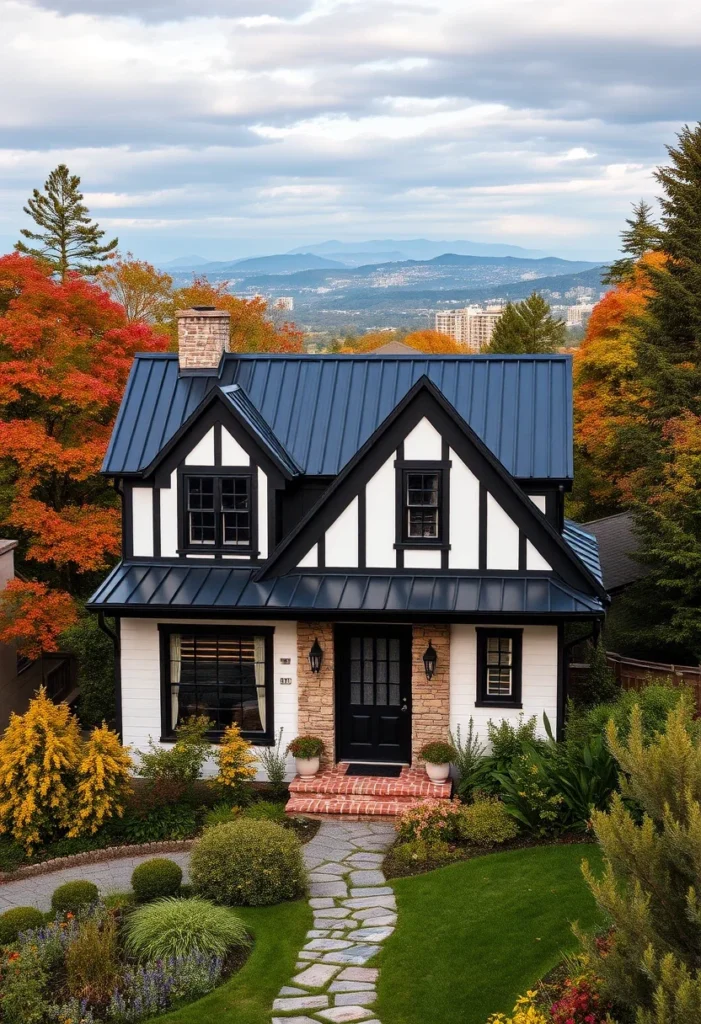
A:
<point x="490" y="524"/>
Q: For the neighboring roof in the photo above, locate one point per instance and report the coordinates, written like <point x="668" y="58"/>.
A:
<point x="617" y="545"/>
<point x="322" y="409"/>
<point x="187" y="588"/>
<point x="394" y="348"/>
<point x="585" y="546"/>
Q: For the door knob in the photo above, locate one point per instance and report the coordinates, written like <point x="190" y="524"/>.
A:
<point x="405" y="707"/>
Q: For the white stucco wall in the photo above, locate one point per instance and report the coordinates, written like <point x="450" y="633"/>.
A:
<point x="464" y="515"/>
<point x="380" y="517"/>
<point x="141" y="681"/>
<point x="539" y="679"/>
<point x="142" y="521"/>
<point x="203" y="452"/>
<point x="342" y="539"/>
<point x="169" y="517"/>
<point x="423" y="442"/>
<point x="232" y="454"/>
<point x="502" y="537"/>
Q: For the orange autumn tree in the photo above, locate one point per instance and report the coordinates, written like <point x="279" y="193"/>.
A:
<point x="428" y="341"/>
<point x="251" y="330"/>
<point x="65" y="354"/>
<point x="610" y="399"/>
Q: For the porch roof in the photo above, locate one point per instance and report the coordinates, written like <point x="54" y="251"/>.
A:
<point x="140" y="587"/>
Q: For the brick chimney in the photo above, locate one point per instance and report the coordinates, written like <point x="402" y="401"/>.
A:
<point x="203" y="337"/>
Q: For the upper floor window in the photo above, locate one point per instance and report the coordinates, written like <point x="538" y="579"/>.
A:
<point x="423" y="512"/>
<point x="218" y="512"/>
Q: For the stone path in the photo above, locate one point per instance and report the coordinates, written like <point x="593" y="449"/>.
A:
<point x="354" y="912"/>
<point x="108" y="876"/>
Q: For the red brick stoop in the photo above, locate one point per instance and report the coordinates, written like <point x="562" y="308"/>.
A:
<point x="333" y="792"/>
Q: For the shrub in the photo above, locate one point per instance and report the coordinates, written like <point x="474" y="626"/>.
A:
<point x="529" y="796"/>
<point x="155" y="878"/>
<point x="72" y="897"/>
<point x="580" y="1002"/>
<point x="306" y="747"/>
<point x="486" y="822"/>
<point x="180" y="765"/>
<point x="417" y="851"/>
<point x="469" y="760"/>
<point x="438" y="753"/>
<point x="39" y="757"/>
<point x="265" y="810"/>
<point x="19" y="919"/>
<point x="92" y="964"/>
<point x="525" y="1011"/>
<point x="600" y="683"/>
<point x="220" y="814"/>
<point x="23" y="990"/>
<point x="655" y="702"/>
<point x="652" y="875"/>
<point x="157" y="825"/>
<point x="171" y="927"/>
<point x="236" y="760"/>
<point x="432" y="821"/>
<point x="250" y="863"/>
<point x="103" y="781"/>
<point x="274" y="765"/>
<point x="506" y="739"/>
<point x="94" y="653"/>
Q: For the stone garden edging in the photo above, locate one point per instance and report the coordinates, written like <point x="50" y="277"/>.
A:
<point x="45" y="867"/>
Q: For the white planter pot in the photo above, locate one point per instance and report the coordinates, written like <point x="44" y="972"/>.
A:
<point x="307" y="767"/>
<point x="437" y="772"/>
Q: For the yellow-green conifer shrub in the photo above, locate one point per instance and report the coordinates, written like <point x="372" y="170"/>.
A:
<point x="236" y="760"/>
<point x="651" y="887"/>
<point x="103" y="781"/>
<point x="39" y="759"/>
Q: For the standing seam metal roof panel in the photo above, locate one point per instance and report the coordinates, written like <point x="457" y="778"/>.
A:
<point x="322" y="409"/>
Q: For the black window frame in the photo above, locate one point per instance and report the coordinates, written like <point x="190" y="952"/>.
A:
<point x="259" y="739"/>
<point x="218" y="474"/>
<point x="514" y="699"/>
<point x="404" y="469"/>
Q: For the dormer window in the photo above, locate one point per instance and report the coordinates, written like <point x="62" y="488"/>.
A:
<point x="422" y="506"/>
<point x="218" y="513"/>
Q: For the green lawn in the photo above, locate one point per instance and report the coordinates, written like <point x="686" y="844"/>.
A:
<point x="474" y="935"/>
<point x="279" y="933"/>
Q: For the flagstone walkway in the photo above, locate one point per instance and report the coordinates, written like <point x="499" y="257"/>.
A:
<point x="354" y="912"/>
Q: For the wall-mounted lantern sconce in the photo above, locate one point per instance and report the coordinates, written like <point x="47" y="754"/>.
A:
<point x="430" y="659"/>
<point x="316" y="656"/>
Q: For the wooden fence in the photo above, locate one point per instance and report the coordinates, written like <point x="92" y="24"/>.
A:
<point x="634" y="674"/>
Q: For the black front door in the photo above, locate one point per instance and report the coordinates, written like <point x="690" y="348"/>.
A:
<point x="373" y="696"/>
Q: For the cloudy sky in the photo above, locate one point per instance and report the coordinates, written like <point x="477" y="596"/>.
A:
<point x="236" y="127"/>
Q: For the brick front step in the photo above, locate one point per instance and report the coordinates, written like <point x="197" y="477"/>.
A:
<point x="334" y="793"/>
<point x="412" y="782"/>
<point x="356" y="806"/>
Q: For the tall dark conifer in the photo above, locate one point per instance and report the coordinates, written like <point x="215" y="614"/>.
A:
<point x="641" y="235"/>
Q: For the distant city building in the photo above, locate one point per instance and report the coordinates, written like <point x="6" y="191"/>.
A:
<point x="576" y="315"/>
<point x="471" y="326"/>
<point x="284" y="302"/>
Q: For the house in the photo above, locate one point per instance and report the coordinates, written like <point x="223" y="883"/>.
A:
<point x="371" y="549"/>
<point x="618" y="547"/>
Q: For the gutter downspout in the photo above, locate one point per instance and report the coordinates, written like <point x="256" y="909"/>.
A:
<point x="114" y="637"/>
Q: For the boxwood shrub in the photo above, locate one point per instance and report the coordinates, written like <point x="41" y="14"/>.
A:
<point x="485" y="823"/>
<point x="248" y="863"/>
<point x="156" y="878"/>
<point x="19" y="919"/>
<point x="73" y="897"/>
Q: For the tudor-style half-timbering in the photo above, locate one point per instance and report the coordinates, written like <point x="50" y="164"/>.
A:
<point x="211" y="498"/>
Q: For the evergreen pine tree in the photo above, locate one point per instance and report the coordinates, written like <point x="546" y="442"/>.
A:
<point x="527" y="327"/>
<point x="69" y="239"/>
<point x="641" y="235"/>
<point x="669" y="348"/>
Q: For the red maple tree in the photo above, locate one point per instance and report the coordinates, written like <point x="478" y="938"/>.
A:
<point x="65" y="354"/>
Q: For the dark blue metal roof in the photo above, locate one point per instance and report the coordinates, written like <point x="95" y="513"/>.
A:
<point x="186" y="588"/>
<point x="247" y="410"/>
<point x="322" y="409"/>
<point x="585" y="546"/>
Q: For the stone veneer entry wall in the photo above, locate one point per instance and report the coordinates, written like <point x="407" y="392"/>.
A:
<point x="430" y="697"/>
<point x="316" y="690"/>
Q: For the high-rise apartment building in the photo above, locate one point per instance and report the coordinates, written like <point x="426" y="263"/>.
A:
<point x="471" y="326"/>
